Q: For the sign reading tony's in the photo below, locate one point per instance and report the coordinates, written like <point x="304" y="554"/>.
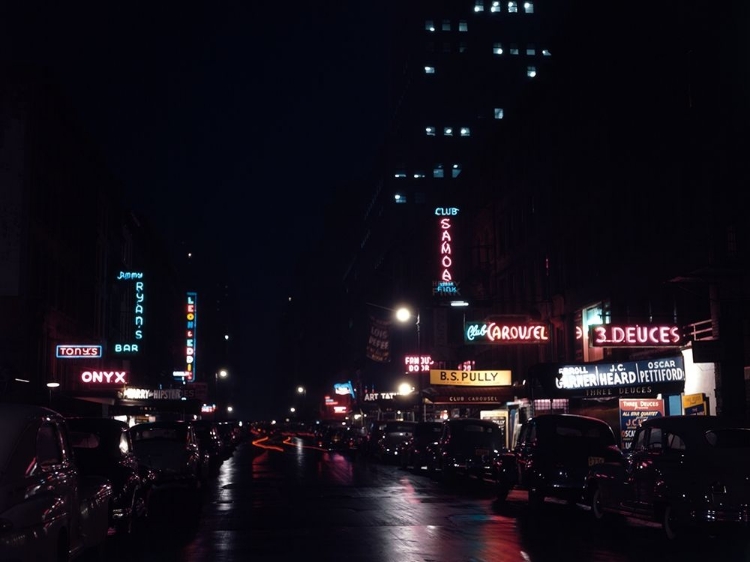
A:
<point x="470" y="378"/>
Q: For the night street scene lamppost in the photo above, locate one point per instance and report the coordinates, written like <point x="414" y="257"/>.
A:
<point x="223" y="373"/>
<point x="405" y="315"/>
<point x="52" y="385"/>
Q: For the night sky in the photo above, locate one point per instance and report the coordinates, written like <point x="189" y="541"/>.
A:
<point x="228" y="123"/>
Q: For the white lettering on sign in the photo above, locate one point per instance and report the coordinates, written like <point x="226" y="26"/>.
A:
<point x="608" y="375"/>
<point x="608" y="335"/>
<point x="88" y="351"/>
<point x="107" y="377"/>
<point x="136" y="394"/>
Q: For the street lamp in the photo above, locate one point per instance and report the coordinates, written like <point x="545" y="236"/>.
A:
<point x="219" y="374"/>
<point x="404" y="315"/>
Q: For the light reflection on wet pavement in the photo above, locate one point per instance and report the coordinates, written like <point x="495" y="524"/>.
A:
<point x="292" y="502"/>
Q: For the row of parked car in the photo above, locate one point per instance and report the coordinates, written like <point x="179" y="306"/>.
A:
<point x="686" y="473"/>
<point x="68" y="483"/>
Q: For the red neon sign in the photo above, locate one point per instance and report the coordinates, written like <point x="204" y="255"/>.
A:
<point x="609" y="335"/>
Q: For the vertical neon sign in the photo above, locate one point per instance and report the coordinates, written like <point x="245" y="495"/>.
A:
<point x="190" y="335"/>
<point x="445" y="285"/>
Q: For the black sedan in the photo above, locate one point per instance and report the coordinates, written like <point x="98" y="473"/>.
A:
<point x="103" y="447"/>
<point x="684" y="472"/>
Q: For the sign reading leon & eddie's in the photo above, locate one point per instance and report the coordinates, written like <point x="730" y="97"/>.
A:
<point x="505" y="333"/>
<point x="651" y="335"/>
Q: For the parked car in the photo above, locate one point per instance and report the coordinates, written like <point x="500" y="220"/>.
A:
<point x="466" y="449"/>
<point x="48" y="509"/>
<point x="552" y="457"/>
<point x="213" y="451"/>
<point x="103" y="447"/>
<point x="685" y="472"/>
<point x="385" y="442"/>
<point x="169" y="458"/>
<point x="415" y="452"/>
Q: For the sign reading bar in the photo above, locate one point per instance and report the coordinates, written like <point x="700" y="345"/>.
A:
<point x="470" y="378"/>
<point x="610" y="335"/>
<point x="505" y="333"/>
<point x="78" y="351"/>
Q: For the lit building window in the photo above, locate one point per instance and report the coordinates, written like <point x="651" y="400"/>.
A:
<point x="531" y="71"/>
<point x="430" y="131"/>
<point x="429" y="70"/>
<point x="462" y="47"/>
<point x="465" y="132"/>
<point x="446" y="25"/>
<point x="479" y="6"/>
<point x="530" y="50"/>
<point x="456" y="171"/>
<point x="513" y="7"/>
<point x="429" y="25"/>
<point x="495" y="7"/>
<point x="448" y="131"/>
<point x="398" y="198"/>
<point x="418" y="175"/>
<point x="499" y="113"/>
<point x="463" y="26"/>
<point x="546" y="53"/>
<point x="514" y="49"/>
<point x="437" y="171"/>
<point x="497" y="48"/>
<point x="400" y="174"/>
<point x="528" y="7"/>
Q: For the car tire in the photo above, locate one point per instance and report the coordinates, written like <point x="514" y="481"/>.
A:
<point x="595" y="502"/>
<point x="501" y="491"/>
<point x="669" y="523"/>
<point x="536" y="497"/>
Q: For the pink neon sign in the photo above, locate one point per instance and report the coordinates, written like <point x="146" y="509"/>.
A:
<point x="609" y="335"/>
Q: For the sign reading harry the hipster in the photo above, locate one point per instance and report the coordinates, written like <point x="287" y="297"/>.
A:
<point x="505" y="332"/>
<point x="470" y="378"/>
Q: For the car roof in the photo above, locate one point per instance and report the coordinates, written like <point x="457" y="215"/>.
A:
<point x="14" y="419"/>
<point x="689" y="423"/>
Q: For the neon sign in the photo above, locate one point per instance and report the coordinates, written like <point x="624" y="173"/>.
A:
<point x="107" y="377"/>
<point x="191" y="313"/>
<point x="138" y="311"/>
<point x="609" y="335"/>
<point x="78" y="351"/>
<point x="445" y="285"/>
<point x="413" y="363"/>
<point x="505" y="333"/>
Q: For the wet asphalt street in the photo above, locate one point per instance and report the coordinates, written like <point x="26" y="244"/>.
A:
<point x="291" y="502"/>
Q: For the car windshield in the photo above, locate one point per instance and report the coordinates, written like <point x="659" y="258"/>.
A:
<point x="733" y="438"/>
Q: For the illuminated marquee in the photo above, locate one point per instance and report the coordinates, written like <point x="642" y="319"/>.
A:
<point x="446" y="286"/>
<point x="138" y="312"/>
<point x="104" y="377"/>
<point x="191" y="318"/>
<point x="651" y="335"/>
<point x="505" y="333"/>
<point x="614" y="375"/>
<point x="78" y="351"/>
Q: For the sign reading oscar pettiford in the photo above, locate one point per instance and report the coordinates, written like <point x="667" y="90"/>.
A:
<point x="623" y="379"/>
<point x="505" y="332"/>
<point x="610" y="335"/>
<point x="470" y="378"/>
